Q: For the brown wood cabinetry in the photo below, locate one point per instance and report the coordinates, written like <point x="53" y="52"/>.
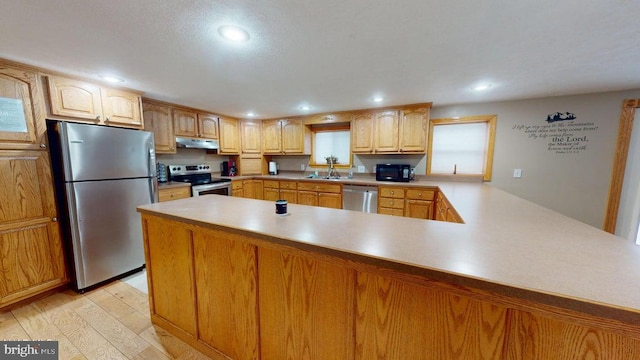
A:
<point x="250" y="137"/>
<point x="419" y="203"/>
<point x="158" y="119"/>
<point x="23" y="87"/>
<point x="386" y="128"/>
<point x="413" y="130"/>
<point x="444" y="211"/>
<point x="237" y="188"/>
<point x="30" y="241"/>
<point x="82" y="101"/>
<point x="362" y="133"/>
<point x="391" y="200"/>
<point x="283" y="137"/>
<point x="320" y="194"/>
<point x="252" y="189"/>
<point x="193" y="124"/>
<point x="280" y="190"/>
<point x="407" y="201"/>
<point x="208" y="126"/>
<point x="236" y="294"/>
<point x="229" y="136"/>
<point x="174" y="193"/>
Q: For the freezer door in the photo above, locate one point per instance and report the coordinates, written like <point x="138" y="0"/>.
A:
<point x="92" y="152"/>
<point x="106" y="231"/>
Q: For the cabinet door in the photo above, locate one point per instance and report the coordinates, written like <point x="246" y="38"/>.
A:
<point x="185" y="123"/>
<point x="362" y="133"/>
<point x="271" y="194"/>
<point x="330" y="200"/>
<point x="229" y="136"/>
<point x="308" y="198"/>
<point x="419" y="209"/>
<point x="413" y="130"/>
<point x="386" y="130"/>
<point x="250" y="137"/>
<point x="121" y="108"/>
<point x="20" y="89"/>
<point x="30" y="241"/>
<point x="271" y="136"/>
<point x="76" y="99"/>
<point x="292" y="136"/>
<point x="258" y="187"/>
<point x="157" y="118"/>
<point x="290" y="195"/>
<point x="249" y="189"/>
<point x="208" y="126"/>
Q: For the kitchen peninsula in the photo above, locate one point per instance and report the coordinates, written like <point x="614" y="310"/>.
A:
<point x="516" y="281"/>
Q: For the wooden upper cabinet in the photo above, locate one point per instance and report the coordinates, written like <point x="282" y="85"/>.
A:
<point x="78" y="100"/>
<point x="250" y="136"/>
<point x="185" y="123"/>
<point x="386" y="129"/>
<point x="121" y="108"/>
<point x="362" y="133"/>
<point x="229" y="136"/>
<point x="283" y="136"/>
<point x="292" y="136"/>
<point x="30" y="240"/>
<point x="157" y="119"/>
<point x="21" y="89"/>
<point x="208" y="126"/>
<point x="413" y="130"/>
<point x="271" y="136"/>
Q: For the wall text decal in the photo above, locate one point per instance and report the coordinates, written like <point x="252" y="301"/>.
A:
<point x="563" y="136"/>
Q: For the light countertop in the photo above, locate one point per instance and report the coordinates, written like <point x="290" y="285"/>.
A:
<point x="507" y="244"/>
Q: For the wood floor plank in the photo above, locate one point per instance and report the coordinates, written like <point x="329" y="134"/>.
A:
<point x="10" y="328"/>
<point x="151" y="353"/>
<point x="106" y="352"/>
<point x="37" y="326"/>
<point x="114" y="306"/>
<point x="132" y="296"/>
<point x="136" y="322"/>
<point x="125" y="340"/>
<point x="165" y="342"/>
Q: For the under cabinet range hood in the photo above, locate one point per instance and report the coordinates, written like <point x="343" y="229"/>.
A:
<point x="197" y="143"/>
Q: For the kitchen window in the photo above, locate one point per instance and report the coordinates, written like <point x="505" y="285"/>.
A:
<point x="327" y="140"/>
<point x="461" y="146"/>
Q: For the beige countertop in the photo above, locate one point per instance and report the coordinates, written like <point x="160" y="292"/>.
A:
<point x="507" y="245"/>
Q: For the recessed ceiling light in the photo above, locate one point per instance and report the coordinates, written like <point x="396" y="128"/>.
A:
<point x="305" y="107"/>
<point x="233" y="33"/>
<point x="481" y="87"/>
<point x="111" y="79"/>
<point x="377" y="99"/>
<point x="251" y="113"/>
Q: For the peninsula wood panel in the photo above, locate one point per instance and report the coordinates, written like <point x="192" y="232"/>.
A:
<point x="537" y="337"/>
<point x="170" y="272"/>
<point x="306" y="307"/>
<point x="226" y="283"/>
<point x="401" y="320"/>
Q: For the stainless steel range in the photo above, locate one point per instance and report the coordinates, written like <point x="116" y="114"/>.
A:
<point x="200" y="178"/>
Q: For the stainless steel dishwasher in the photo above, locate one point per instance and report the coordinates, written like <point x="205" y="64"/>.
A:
<point x="360" y="198"/>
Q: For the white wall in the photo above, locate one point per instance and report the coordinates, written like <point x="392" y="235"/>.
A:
<point x="574" y="184"/>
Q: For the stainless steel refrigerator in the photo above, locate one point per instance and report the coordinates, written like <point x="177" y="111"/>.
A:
<point x="102" y="174"/>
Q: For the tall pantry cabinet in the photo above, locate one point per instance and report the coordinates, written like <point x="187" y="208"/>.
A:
<point x="31" y="255"/>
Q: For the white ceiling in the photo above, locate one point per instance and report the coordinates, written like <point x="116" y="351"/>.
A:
<point x="332" y="54"/>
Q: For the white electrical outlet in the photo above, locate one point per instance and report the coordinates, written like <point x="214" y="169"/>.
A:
<point x="517" y="173"/>
<point x="302" y="167"/>
<point x="361" y="169"/>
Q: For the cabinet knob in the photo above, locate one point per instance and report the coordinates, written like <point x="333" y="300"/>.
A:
<point x="43" y="146"/>
<point x="54" y="219"/>
<point x="420" y="194"/>
<point x="392" y="193"/>
<point x="392" y="203"/>
<point x="98" y="117"/>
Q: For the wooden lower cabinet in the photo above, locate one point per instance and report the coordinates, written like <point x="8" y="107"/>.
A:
<point x="444" y="211"/>
<point x="391" y="200"/>
<point x="320" y="194"/>
<point x="174" y="193"/>
<point x="31" y="250"/>
<point x="234" y="295"/>
<point x="237" y="188"/>
<point x="415" y="202"/>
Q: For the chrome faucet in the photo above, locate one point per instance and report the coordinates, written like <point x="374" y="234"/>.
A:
<point x="331" y="171"/>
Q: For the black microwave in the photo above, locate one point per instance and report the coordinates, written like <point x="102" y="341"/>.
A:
<point x="394" y="172"/>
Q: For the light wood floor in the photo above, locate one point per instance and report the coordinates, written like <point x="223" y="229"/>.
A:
<point x="111" y="322"/>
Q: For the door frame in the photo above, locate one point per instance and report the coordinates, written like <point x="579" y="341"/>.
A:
<point x="620" y="163"/>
